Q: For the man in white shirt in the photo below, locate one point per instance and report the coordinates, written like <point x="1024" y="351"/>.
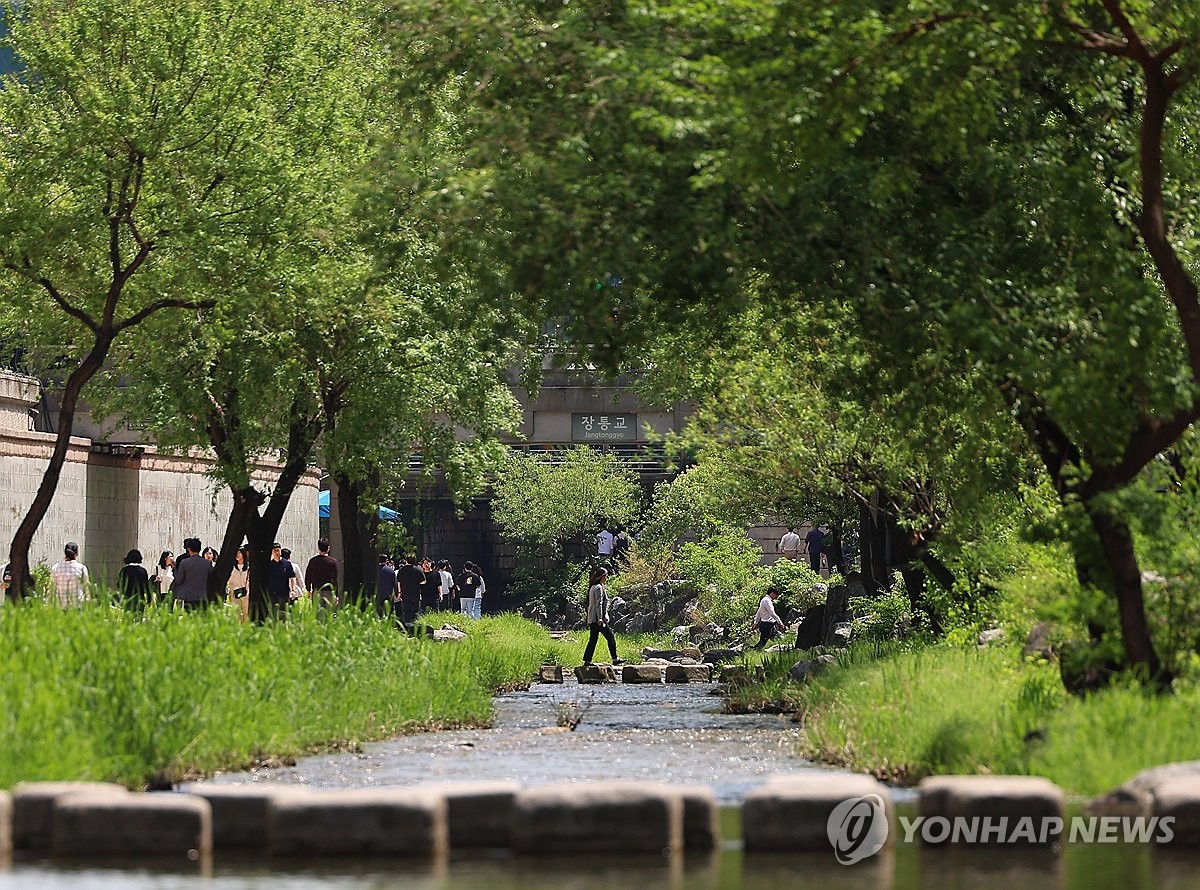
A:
<point x="71" y="581"/>
<point x="789" y="545"/>
<point x="766" y="619"/>
<point x="604" y="543"/>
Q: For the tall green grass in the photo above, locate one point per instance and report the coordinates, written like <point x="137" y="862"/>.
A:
<point x="904" y="714"/>
<point x="99" y="693"/>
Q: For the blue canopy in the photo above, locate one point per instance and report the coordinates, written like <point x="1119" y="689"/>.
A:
<point x="323" y="508"/>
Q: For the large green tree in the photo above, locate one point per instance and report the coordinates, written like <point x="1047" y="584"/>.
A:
<point x="152" y="155"/>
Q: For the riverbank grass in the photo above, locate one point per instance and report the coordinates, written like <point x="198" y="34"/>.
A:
<point x="149" y="698"/>
<point x="902" y="714"/>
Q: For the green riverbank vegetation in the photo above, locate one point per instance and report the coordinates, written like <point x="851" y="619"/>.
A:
<point x="149" y="698"/>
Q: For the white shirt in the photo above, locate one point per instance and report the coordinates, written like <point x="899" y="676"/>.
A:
<point x="766" y="612"/>
<point x="604" y="543"/>
<point x="789" y="543"/>
<point x="70" y="582"/>
<point x="447" y="582"/>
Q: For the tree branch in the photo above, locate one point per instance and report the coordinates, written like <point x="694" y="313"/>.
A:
<point x="168" y="303"/>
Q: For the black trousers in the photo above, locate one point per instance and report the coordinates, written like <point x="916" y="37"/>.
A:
<point x="604" y="630"/>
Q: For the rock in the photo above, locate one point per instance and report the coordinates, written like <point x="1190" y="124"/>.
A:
<point x="550" y="673"/>
<point x="993" y="635"/>
<point x="6" y="843"/>
<point x="993" y="797"/>
<point x="716" y="656"/>
<point x="108" y="823"/>
<point x="360" y="821"/>
<point x="624" y="818"/>
<point x="810" y="632"/>
<point x="837" y="611"/>
<point x="701" y="818"/>
<point x="692" y="652"/>
<point x="1135" y="797"/>
<point x="33" y="809"/>
<point x="840" y="636"/>
<point x="1178" y="798"/>
<point x="686" y="660"/>
<point x="479" y="813"/>
<point x="452" y="627"/>
<point x="642" y="673"/>
<point x="692" y="673"/>
<point x="595" y="673"/>
<point x="1039" y="643"/>
<point x="451" y="635"/>
<point x="792" y="812"/>
<point x="1084" y="668"/>
<point x="811" y="667"/>
<point x="650" y="654"/>
<point x="617" y="607"/>
<point x="680" y="635"/>
<point x="735" y="674"/>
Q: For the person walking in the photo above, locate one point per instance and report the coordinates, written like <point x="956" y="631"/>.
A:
<point x="387" y="591"/>
<point x="468" y="584"/>
<point x="164" y="575"/>
<point x="190" y="586"/>
<point x="238" y="585"/>
<point x="133" y="583"/>
<point x="431" y="593"/>
<point x="321" y="578"/>
<point x="296" y="589"/>
<point x="412" y="583"/>
<point x="597" y="617"/>
<point x="446" y="585"/>
<point x="72" y="584"/>
<point x="280" y="581"/>
<point x="814" y="543"/>
<point x="766" y="619"/>
<point x="789" y="545"/>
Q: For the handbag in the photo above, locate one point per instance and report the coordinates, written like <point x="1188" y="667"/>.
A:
<point x="240" y="593"/>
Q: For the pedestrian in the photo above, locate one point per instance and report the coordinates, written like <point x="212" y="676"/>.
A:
<point x="321" y="578"/>
<point x="446" y="585"/>
<point x="431" y="593"/>
<point x="5" y="582"/>
<point x="835" y="551"/>
<point x="210" y="554"/>
<point x="164" y="575"/>
<point x="597" y="617"/>
<point x="468" y="584"/>
<point x="411" y="579"/>
<point x="766" y="620"/>
<point x="789" y="545"/>
<point x="296" y="589"/>
<point x="622" y="545"/>
<point x="238" y="585"/>
<point x="387" y="591"/>
<point x="72" y="585"/>
<point x="480" y="591"/>
<point x="280" y="581"/>
<point x="133" y="583"/>
<point x="604" y="542"/>
<point x="814" y="543"/>
<point x="190" y="586"/>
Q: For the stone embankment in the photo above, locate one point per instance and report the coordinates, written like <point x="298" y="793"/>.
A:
<point x="790" y="813"/>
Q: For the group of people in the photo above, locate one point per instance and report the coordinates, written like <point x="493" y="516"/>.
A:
<point x="408" y="586"/>
<point x="822" y="545"/>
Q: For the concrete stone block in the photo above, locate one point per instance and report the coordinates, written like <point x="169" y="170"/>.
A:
<point x="688" y="673"/>
<point x="1180" y="798"/>
<point x="791" y="812"/>
<point x="479" y="814"/>
<point x="642" y="673"/>
<point x="598" y="817"/>
<point x="734" y="674"/>
<point x="595" y="673"/>
<point x="240" y="812"/>
<point x="378" y="821"/>
<point x="6" y="839"/>
<point x="33" y="809"/>
<point x="551" y="673"/>
<point x="91" y="823"/>
<point x="701" y="818"/>
<point x="994" y="798"/>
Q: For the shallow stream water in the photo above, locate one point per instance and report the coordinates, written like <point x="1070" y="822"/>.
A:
<point x="673" y="734"/>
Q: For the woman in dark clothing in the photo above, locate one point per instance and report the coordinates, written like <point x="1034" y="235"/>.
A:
<point x="468" y="584"/>
<point x="133" y="582"/>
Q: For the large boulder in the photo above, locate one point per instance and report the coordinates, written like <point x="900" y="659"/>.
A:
<point x="811" y="667"/>
<point x="811" y="632"/>
<point x="718" y="656"/>
<point x="1040" y="643"/>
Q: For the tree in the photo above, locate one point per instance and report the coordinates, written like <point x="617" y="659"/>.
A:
<point x="150" y="155"/>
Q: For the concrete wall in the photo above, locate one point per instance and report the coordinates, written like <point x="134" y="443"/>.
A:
<point x="111" y="500"/>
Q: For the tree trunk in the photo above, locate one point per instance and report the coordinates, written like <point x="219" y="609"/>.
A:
<point x="358" y="555"/>
<point x="871" y="546"/>
<point x="1116" y="542"/>
<point x="245" y="502"/>
<point x="18" y="555"/>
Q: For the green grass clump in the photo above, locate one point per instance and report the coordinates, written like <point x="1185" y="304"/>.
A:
<point x="905" y="713"/>
<point x="99" y="693"/>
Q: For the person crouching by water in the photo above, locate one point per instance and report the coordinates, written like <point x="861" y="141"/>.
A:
<point x="766" y="619"/>
<point x="597" y="617"/>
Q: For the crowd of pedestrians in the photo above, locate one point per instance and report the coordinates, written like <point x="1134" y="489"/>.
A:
<point x="406" y="587"/>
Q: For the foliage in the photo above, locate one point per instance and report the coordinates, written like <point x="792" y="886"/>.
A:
<point x="883" y="617"/>
<point x="545" y="500"/>
<point x="97" y="693"/>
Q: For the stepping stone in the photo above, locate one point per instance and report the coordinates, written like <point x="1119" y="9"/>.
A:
<point x="104" y="823"/>
<point x="734" y="674"/>
<point x="993" y="798"/>
<point x="550" y="673"/>
<point x="479" y="814"/>
<point x="791" y="812"/>
<point x="595" y="673"/>
<point x="6" y="840"/>
<point x="689" y="673"/>
<point x="240" y="812"/>
<point x="598" y="817"/>
<point x="33" y="809"/>
<point x="642" y="673"/>
<point x="1179" y="798"/>
<point x="701" y="818"/>
<point x="361" y="821"/>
